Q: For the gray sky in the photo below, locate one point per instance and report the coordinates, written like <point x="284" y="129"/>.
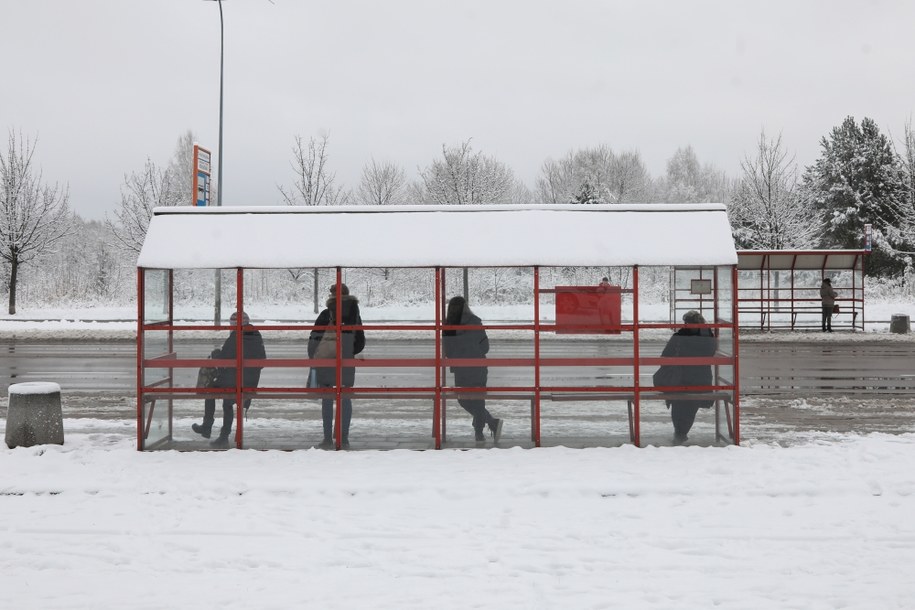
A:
<point x="105" y="84"/>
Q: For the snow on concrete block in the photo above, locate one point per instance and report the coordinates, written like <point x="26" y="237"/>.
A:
<point x="34" y="416"/>
<point x="35" y="387"/>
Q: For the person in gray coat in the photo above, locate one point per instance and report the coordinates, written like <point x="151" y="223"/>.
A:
<point x="469" y="343"/>
<point x="691" y="343"/>
<point x="828" y="300"/>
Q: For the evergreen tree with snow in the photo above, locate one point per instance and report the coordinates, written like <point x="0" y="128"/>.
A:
<point x="586" y="194"/>
<point x="857" y="181"/>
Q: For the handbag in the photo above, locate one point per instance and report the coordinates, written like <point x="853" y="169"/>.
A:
<point x="206" y="377"/>
<point x="327" y="346"/>
<point x="835" y="308"/>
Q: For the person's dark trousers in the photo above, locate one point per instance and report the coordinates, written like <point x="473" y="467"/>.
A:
<point x="228" y="414"/>
<point x="827" y="318"/>
<point x="683" y="414"/>
<point x="477" y="409"/>
<point x="327" y="414"/>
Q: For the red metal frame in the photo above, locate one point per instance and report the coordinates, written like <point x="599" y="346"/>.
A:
<point x="440" y="392"/>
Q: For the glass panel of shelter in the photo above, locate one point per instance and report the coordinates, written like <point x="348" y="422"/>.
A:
<point x="595" y="357"/>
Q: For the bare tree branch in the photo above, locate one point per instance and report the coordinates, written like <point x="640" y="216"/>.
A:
<point x="314" y="184"/>
<point x="382" y="184"/>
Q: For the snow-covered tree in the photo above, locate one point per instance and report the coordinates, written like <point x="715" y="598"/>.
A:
<point x="382" y="184"/>
<point x="594" y="175"/>
<point x="463" y="176"/>
<point x="687" y="181"/>
<point x="556" y="181"/>
<point x="150" y="188"/>
<point x="856" y="181"/>
<point x="34" y="216"/>
<point x="630" y="181"/>
<point x="142" y="191"/>
<point x="766" y="210"/>
<point x="907" y="158"/>
<point x="314" y="182"/>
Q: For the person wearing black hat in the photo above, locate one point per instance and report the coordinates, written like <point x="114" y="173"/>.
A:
<point x="827" y="301"/>
<point x="252" y="348"/>
<point x="690" y="341"/>
<point x="352" y="343"/>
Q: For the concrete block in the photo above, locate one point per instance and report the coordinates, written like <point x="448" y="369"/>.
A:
<point x="899" y="323"/>
<point x="34" y="416"/>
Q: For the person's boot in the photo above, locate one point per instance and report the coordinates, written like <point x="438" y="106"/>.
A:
<point x="220" y="442"/>
<point x="495" y="428"/>
<point x="479" y="437"/>
<point x="203" y="430"/>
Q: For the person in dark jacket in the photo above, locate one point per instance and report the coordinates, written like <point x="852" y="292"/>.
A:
<point x="252" y="348"/>
<point x="353" y="342"/>
<point x="470" y="343"/>
<point x="827" y="301"/>
<point x="690" y="342"/>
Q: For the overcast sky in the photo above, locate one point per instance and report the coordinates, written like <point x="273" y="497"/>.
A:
<point x="104" y="84"/>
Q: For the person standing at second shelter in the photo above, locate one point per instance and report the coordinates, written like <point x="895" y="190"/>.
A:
<point x="353" y="342"/>
<point x="828" y="300"/>
<point x="469" y="343"/>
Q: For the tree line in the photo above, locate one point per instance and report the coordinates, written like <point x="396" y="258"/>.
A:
<point x="861" y="177"/>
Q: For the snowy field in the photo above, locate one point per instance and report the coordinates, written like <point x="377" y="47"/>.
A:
<point x="120" y="322"/>
<point x="95" y="524"/>
<point x="817" y="520"/>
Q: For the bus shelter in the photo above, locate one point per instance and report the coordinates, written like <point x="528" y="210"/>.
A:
<point x="574" y="359"/>
<point x="780" y="289"/>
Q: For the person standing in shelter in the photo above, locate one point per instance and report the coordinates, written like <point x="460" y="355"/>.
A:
<point x="252" y="348"/>
<point x="469" y="343"/>
<point x="353" y="342"/>
<point x="690" y="342"/>
<point x="827" y="301"/>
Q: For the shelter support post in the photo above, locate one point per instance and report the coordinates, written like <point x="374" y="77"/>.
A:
<point x="239" y="353"/>
<point x="634" y="419"/>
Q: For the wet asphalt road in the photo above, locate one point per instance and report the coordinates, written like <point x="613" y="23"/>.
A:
<point x="846" y="368"/>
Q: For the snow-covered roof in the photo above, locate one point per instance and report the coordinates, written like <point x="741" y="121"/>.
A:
<point x="448" y="236"/>
<point x="784" y="260"/>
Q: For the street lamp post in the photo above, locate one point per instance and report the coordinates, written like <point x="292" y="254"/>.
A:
<point x="217" y="308"/>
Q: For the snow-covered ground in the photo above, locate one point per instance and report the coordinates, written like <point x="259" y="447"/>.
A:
<point x="95" y="524"/>
<point x="822" y="521"/>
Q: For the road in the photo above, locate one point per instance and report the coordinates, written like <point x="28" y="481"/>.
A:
<point x="767" y="368"/>
<point x="790" y="391"/>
